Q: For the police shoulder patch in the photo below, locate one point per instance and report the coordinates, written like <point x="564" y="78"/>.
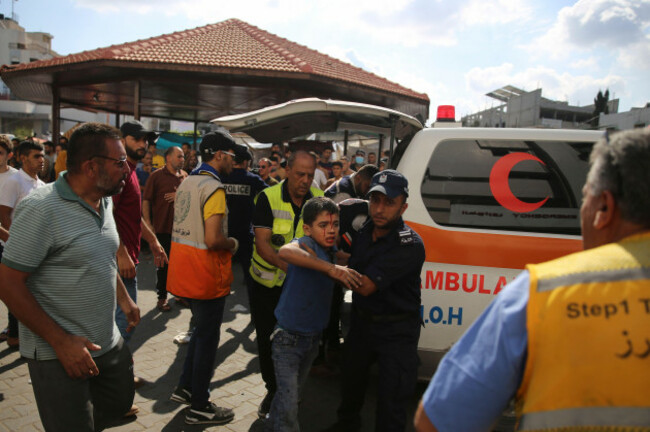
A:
<point x="406" y="236"/>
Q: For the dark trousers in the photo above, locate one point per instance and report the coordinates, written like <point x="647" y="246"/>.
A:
<point x="165" y="241"/>
<point x="394" y="347"/>
<point x="331" y="334"/>
<point x="207" y="316"/>
<point x="66" y="404"/>
<point x="12" y="326"/>
<point x="263" y="303"/>
<point x="243" y="259"/>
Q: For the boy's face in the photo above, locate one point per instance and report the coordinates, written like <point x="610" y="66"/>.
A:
<point x="324" y="229"/>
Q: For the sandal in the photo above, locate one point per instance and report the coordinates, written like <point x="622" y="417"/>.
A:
<point x="163" y="306"/>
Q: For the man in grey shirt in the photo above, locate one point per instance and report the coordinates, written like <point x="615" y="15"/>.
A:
<point x="63" y="287"/>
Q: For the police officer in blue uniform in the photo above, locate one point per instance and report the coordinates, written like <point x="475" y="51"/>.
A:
<point x="242" y="186"/>
<point x="385" y="322"/>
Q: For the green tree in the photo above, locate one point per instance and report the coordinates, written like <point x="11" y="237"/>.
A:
<point x="600" y="105"/>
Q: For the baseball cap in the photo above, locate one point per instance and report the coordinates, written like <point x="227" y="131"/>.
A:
<point x="137" y="130"/>
<point x="389" y="182"/>
<point x="242" y="153"/>
<point x="212" y="142"/>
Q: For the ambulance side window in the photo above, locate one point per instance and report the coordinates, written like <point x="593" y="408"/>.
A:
<point x="510" y="185"/>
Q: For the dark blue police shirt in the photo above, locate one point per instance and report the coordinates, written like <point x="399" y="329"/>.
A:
<point x="393" y="263"/>
<point x="343" y="185"/>
<point x="241" y="188"/>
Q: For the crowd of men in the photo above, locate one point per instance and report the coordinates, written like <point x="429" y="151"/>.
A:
<point x="74" y="291"/>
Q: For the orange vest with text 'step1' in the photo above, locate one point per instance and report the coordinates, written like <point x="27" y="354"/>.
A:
<point x="195" y="271"/>
<point x="588" y="322"/>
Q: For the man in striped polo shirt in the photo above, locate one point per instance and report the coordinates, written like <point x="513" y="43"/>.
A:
<point x="63" y="287"/>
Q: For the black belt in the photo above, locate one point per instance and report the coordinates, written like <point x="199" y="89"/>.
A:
<point x="386" y="318"/>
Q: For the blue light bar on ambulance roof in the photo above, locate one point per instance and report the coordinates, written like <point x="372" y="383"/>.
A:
<point x="446" y="113"/>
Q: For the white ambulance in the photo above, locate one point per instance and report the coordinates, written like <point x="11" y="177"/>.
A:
<point x="485" y="201"/>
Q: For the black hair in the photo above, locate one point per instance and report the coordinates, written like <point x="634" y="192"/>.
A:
<point x="6" y="144"/>
<point x="316" y="206"/>
<point x="337" y="163"/>
<point x="88" y="140"/>
<point x="368" y="171"/>
<point x="26" y="146"/>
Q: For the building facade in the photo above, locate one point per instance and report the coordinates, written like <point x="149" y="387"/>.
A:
<point x="529" y="109"/>
<point x="19" y="46"/>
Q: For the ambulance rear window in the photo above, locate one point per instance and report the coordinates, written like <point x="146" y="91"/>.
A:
<point x="512" y="185"/>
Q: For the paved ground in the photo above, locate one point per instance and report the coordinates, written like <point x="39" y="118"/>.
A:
<point x="237" y="382"/>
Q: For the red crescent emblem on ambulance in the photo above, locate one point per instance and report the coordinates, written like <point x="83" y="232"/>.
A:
<point x="501" y="189"/>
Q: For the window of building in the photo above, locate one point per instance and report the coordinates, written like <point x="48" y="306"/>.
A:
<point x="457" y="193"/>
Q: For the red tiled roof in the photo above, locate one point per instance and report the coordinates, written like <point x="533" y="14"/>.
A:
<point x="231" y="44"/>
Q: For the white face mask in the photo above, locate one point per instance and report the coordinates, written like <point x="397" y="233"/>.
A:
<point x="358" y="159"/>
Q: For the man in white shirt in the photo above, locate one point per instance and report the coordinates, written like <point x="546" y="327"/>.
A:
<point x="14" y="187"/>
<point x="6" y="171"/>
<point x="20" y="184"/>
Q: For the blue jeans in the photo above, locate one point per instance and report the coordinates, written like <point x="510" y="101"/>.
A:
<point x="202" y="350"/>
<point x="293" y="355"/>
<point x="120" y="319"/>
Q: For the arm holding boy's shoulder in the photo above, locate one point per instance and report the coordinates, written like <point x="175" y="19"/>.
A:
<point x="298" y="254"/>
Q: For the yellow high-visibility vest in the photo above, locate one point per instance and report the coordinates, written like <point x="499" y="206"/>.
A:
<point x="282" y="233"/>
<point x="588" y="322"/>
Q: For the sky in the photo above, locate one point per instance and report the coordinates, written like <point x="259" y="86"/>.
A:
<point x="455" y="51"/>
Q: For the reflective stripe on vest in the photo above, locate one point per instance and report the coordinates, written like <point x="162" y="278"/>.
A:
<point x="283" y="217"/>
<point x="260" y="272"/>
<point x="282" y="214"/>
<point x="588" y="318"/>
<point x="588" y="419"/>
<point x="187" y="242"/>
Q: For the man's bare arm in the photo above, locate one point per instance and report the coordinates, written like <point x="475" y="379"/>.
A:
<point x="214" y="236"/>
<point x="72" y="351"/>
<point x="266" y="251"/>
<point x="5" y="216"/>
<point x="146" y="211"/>
<point x="126" y="303"/>
<point x="366" y="287"/>
<point x="422" y="422"/>
<point x="294" y="254"/>
<point x="159" y="256"/>
<point x="125" y="265"/>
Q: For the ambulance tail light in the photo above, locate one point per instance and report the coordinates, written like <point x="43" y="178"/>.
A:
<point x="446" y="113"/>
